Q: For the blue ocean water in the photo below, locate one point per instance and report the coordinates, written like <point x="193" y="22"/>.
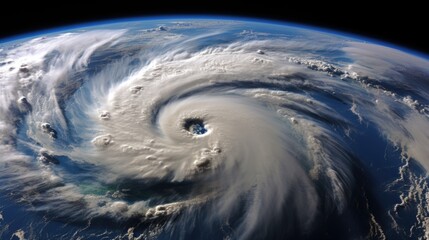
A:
<point x="344" y="154"/>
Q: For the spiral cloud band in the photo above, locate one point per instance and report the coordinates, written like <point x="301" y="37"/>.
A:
<point x="211" y="129"/>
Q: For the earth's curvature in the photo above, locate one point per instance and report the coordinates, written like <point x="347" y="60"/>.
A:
<point x="211" y="129"/>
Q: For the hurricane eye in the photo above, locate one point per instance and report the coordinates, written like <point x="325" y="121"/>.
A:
<point x="195" y="126"/>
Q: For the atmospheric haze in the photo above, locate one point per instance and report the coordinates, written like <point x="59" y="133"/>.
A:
<point x="211" y="129"/>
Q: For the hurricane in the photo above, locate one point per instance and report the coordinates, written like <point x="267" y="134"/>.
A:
<point x="211" y="129"/>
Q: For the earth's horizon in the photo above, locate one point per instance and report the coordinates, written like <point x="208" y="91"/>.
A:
<point x="201" y="128"/>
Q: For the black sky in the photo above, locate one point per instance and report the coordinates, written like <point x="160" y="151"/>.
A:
<point x="403" y="24"/>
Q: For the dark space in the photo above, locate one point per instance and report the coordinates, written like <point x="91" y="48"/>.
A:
<point x="401" y="24"/>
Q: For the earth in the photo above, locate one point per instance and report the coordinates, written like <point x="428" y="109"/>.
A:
<point x="199" y="128"/>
